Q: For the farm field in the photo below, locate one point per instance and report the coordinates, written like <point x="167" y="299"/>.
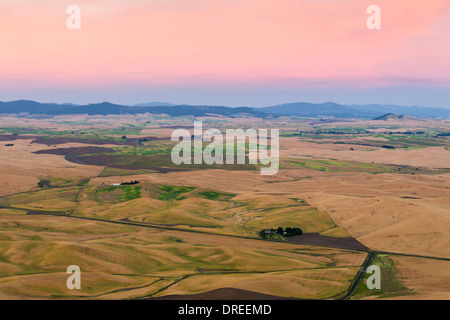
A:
<point x="101" y="192"/>
<point x="123" y="261"/>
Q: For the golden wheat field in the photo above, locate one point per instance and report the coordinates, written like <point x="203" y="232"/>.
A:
<point x="184" y="231"/>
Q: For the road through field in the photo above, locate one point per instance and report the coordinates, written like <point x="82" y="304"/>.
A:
<point x="349" y="292"/>
<point x="358" y="277"/>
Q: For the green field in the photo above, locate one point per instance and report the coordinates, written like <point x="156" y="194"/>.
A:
<point x="396" y="141"/>
<point x="113" y="134"/>
<point x="341" y="166"/>
<point x="174" y="192"/>
<point x="126" y="192"/>
<point x="390" y="285"/>
<point x="110" y="172"/>
<point x="330" y="166"/>
<point x="212" y="195"/>
<point x="154" y="154"/>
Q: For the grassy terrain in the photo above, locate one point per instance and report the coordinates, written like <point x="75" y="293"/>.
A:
<point x="182" y="207"/>
<point x="126" y="192"/>
<point x="89" y="133"/>
<point x="398" y="141"/>
<point x="141" y="151"/>
<point x="66" y="182"/>
<point x="32" y="130"/>
<point x="120" y="261"/>
<point x="309" y="165"/>
<point x="174" y="192"/>
<point x="412" y="141"/>
<point x="390" y="285"/>
<point x="164" y="161"/>
<point x="212" y="195"/>
<point x="109" y="172"/>
<point x="352" y="166"/>
<point x="157" y="154"/>
<point x="342" y="166"/>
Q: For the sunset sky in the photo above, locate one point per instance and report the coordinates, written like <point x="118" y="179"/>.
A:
<point x="226" y="52"/>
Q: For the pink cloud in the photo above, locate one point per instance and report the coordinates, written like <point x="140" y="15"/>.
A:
<point x="217" y="41"/>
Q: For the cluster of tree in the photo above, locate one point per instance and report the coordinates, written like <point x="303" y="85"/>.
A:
<point x="9" y="144"/>
<point x="330" y="132"/>
<point x="361" y="132"/>
<point x="128" y="183"/>
<point x="444" y="134"/>
<point x="288" y="232"/>
<point x="402" y="132"/>
<point x="43" y="184"/>
<point x="409" y="132"/>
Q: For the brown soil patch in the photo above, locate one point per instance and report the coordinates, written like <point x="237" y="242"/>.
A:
<point x="11" y="137"/>
<point x="72" y="155"/>
<point x="318" y="240"/>
<point x="56" y="141"/>
<point x="129" y="141"/>
<point x="21" y="168"/>
<point x="74" y="151"/>
<point x="224" y="294"/>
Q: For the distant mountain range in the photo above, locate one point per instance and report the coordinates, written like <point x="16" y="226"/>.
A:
<point x="299" y="109"/>
<point x="328" y="109"/>
<point x="412" y="111"/>
<point x="331" y="109"/>
<point x="105" y="108"/>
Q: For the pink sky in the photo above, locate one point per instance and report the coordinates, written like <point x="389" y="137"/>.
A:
<point x="223" y="42"/>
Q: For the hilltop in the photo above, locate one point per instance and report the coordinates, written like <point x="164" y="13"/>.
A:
<point x="394" y="116"/>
